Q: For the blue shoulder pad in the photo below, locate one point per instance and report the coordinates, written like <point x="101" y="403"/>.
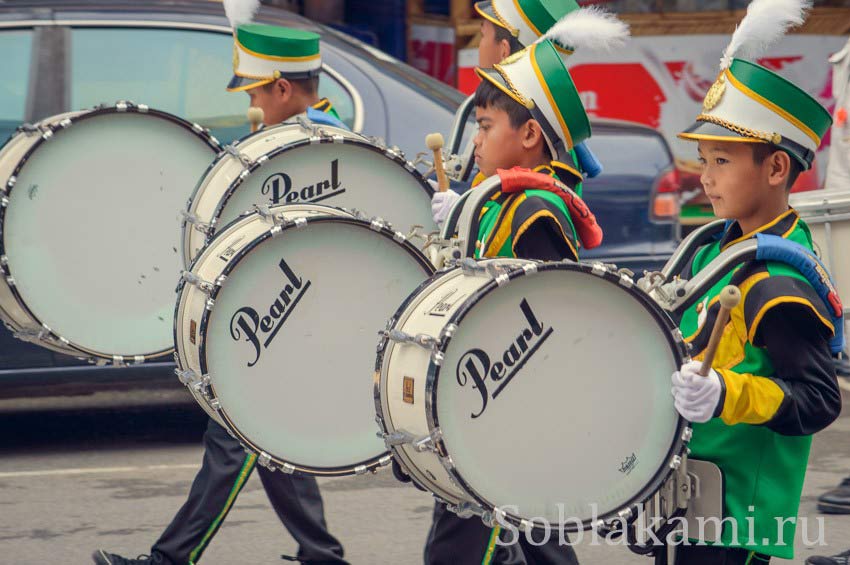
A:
<point x="775" y="248"/>
<point x="323" y="118"/>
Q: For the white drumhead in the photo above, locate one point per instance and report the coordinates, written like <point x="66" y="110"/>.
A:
<point x="303" y="394"/>
<point x="351" y="175"/>
<point x="91" y="229"/>
<point x="579" y="411"/>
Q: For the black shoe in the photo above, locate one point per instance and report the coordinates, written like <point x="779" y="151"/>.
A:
<point x="840" y="559"/>
<point x="837" y="500"/>
<point x="102" y="558"/>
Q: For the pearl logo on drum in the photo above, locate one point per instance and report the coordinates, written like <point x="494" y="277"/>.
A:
<point x="247" y="324"/>
<point x="476" y="368"/>
<point x="278" y="187"/>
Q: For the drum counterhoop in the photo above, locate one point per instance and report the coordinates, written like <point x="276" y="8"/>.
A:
<point x="456" y="414"/>
<point x="83" y="272"/>
<point x="301" y="163"/>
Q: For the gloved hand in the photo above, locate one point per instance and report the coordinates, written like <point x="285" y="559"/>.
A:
<point x="441" y="205"/>
<point x="696" y="397"/>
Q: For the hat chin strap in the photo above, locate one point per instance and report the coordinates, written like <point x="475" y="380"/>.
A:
<point x="556" y="144"/>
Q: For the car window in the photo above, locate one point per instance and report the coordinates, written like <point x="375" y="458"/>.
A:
<point x="180" y="71"/>
<point x="630" y="154"/>
<point x="16" y="47"/>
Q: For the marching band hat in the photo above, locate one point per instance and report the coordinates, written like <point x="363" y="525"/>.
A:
<point x="751" y="104"/>
<point x="527" y="20"/>
<point x="265" y="53"/>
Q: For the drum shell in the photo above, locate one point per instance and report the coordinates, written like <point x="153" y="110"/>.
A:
<point x="208" y="266"/>
<point x="13" y="313"/>
<point x="397" y="361"/>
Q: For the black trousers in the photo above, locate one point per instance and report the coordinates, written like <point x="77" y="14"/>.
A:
<point x="706" y="555"/>
<point x="467" y="541"/>
<point x="225" y="470"/>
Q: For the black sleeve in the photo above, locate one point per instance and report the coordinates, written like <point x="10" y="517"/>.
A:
<point x="798" y="346"/>
<point x="544" y="242"/>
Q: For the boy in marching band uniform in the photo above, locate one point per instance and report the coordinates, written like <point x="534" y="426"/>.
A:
<point x="772" y="384"/>
<point x="279" y="70"/>
<point x="530" y="117"/>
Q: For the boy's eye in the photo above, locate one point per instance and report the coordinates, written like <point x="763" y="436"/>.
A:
<point x="721" y="161"/>
<point x="701" y="161"/>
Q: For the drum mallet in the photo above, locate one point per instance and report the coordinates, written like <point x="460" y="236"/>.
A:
<point x="730" y="296"/>
<point x="434" y="141"/>
<point x="256" y="117"/>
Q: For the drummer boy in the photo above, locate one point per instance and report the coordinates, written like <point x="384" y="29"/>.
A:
<point x="772" y="383"/>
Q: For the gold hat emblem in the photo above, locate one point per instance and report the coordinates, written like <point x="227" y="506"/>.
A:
<point x="715" y="93"/>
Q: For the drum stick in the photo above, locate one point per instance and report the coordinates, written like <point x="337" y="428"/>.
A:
<point x="256" y="117"/>
<point x="434" y="141"/>
<point x="730" y="296"/>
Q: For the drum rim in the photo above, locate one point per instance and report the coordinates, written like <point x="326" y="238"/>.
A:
<point x="678" y="346"/>
<point x="347" y="138"/>
<point x="121" y="107"/>
<point x="288" y="466"/>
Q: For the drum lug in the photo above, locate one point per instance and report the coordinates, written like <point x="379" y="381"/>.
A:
<point x="625" y="279"/>
<point x="4" y="201"/>
<point x="265" y="460"/>
<point x="385" y="460"/>
<point x="188" y="218"/>
<point x="188" y="377"/>
<point x="209" y="304"/>
<point x="204" y="286"/>
<point x="377" y="224"/>
<point x="361" y="470"/>
<point x="424" y="341"/>
<point x="246" y="161"/>
<point x="687" y="434"/>
<point x="466" y="509"/>
<point x="10" y="184"/>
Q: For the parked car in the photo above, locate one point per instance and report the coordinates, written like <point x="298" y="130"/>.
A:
<point x="175" y="55"/>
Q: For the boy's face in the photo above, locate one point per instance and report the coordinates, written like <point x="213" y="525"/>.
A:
<point x="274" y="99"/>
<point x="491" y="50"/>
<point x="497" y="144"/>
<point x="737" y="186"/>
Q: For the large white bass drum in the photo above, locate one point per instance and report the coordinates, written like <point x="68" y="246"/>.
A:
<point x="87" y="241"/>
<point x="516" y="390"/>
<point x="275" y="332"/>
<point x="302" y="163"/>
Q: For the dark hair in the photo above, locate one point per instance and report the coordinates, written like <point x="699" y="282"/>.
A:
<point x="762" y="151"/>
<point x="502" y="34"/>
<point x="309" y="86"/>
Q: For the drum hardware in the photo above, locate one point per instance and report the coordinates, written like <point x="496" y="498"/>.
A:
<point x="422" y="340"/>
<point x="233" y="151"/>
<point x="188" y="218"/>
<point x="204" y="286"/>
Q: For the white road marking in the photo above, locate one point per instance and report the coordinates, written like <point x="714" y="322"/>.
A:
<point x="96" y="470"/>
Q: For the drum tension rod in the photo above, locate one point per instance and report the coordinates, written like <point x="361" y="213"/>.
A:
<point x="233" y="151"/>
<point x="189" y="218"/>
<point x="424" y="341"/>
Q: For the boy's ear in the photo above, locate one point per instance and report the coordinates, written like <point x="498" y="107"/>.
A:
<point x="779" y="168"/>
<point x="283" y="88"/>
<point x="532" y="135"/>
<point x="504" y="49"/>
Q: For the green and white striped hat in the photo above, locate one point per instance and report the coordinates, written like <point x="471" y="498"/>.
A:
<point x="751" y="104"/>
<point x="527" y="20"/>
<point x="537" y="77"/>
<point x="264" y="53"/>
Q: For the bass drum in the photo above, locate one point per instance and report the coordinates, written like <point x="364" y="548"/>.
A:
<point x="275" y="338"/>
<point x="300" y="164"/>
<point x="88" y="260"/>
<point x="532" y="390"/>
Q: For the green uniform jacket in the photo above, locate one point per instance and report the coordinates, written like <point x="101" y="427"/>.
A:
<point x="760" y="436"/>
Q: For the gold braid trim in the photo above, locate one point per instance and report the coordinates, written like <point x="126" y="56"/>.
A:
<point x="527" y="102"/>
<point x="774" y="138"/>
<point x="514" y="31"/>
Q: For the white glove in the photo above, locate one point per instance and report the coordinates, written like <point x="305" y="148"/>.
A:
<point x="696" y="397"/>
<point x="441" y="205"/>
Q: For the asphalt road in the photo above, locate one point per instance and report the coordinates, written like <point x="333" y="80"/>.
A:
<point x="73" y="481"/>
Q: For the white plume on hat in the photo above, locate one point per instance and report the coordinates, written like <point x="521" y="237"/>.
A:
<point x="240" y="11"/>
<point x="765" y="23"/>
<point x="588" y="28"/>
